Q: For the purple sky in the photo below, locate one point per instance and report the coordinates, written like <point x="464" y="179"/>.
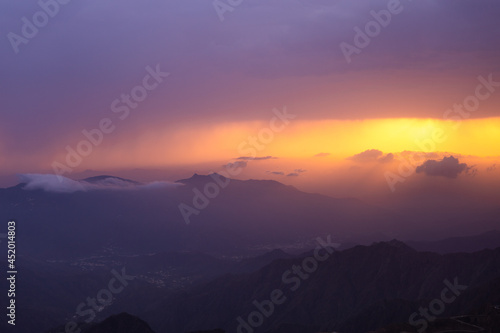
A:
<point x="266" y="53"/>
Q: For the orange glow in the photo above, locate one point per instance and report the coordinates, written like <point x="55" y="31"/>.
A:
<point x="479" y="137"/>
<point x="197" y="144"/>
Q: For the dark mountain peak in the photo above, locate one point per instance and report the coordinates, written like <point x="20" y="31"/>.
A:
<point x="263" y="184"/>
<point x="120" y="323"/>
<point x="393" y="244"/>
<point x="106" y="178"/>
<point x="197" y="179"/>
<point x="491" y="233"/>
<point x="486" y="240"/>
<point x="267" y="182"/>
<point x="274" y="252"/>
<point x="19" y="186"/>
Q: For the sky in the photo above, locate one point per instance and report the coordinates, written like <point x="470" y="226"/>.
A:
<point x="332" y="96"/>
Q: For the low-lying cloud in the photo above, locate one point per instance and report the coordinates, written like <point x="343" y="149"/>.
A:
<point x="235" y="165"/>
<point x="448" y="167"/>
<point x="60" y="184"/>
<point x="249" y="158"/>
<point x="372" y="155"/>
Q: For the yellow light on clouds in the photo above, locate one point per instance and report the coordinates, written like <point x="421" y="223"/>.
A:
<point x="194" y="144"/>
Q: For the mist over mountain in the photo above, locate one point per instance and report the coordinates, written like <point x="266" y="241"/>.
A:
<point x="243" y="244"/>
<point x="231" y="166"/>
<point x="250" y="215"/>
<point x="349" y="292"/>
<point x="362" y="289"/>
<point x="486" y="240"/>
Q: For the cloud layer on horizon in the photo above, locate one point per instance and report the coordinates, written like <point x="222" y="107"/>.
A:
<point x="372" y="155"/>
<point x="60" y="184"/>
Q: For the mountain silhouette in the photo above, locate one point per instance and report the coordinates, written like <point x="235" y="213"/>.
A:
<point x="245" y="216"/>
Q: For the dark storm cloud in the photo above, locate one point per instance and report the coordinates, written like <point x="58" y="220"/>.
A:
<point x="448" y="167"/>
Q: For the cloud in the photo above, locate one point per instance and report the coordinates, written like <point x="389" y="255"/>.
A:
<point x="371" y="155"/>
<point x="249" y="158"/>
<point x="366" y="156"/>
<point x="322" y="155"/>
<point x="387" y="158"/>
<point x="448" y="167"/>
<point x="268" y="41"/>
<point x="279" y="173"/>
<point x="237" y="164"/>
<point x="50" y="183"/>
<point x="296" y="173"/>
<point x="60" y="184"/>
<point x="471" y="171"/>
<point x="491" y="168"/>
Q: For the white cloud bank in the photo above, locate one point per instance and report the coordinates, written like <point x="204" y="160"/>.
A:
<point x="60" y="184"/>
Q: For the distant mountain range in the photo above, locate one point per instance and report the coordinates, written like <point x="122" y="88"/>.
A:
<point x="251" y="217"/>
<point x="486" y="240"/>
<point x="356" y="290"/>
<point x="249" y="242"/>
<point x="245" y="218"/>
<point x="362" y="289"/>
<point x="120" y="323"/>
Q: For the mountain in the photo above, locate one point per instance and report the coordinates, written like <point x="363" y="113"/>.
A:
<point x="244" y="218"/>
<point x="361" y="289"/>
<point x="486" y="240"/>
<point x="180" y="270"/>
<point x="111" y="180"/>
<point x="356" y="290"/>
<point x="51" y="291"/>
<point x="120" y="323"/>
